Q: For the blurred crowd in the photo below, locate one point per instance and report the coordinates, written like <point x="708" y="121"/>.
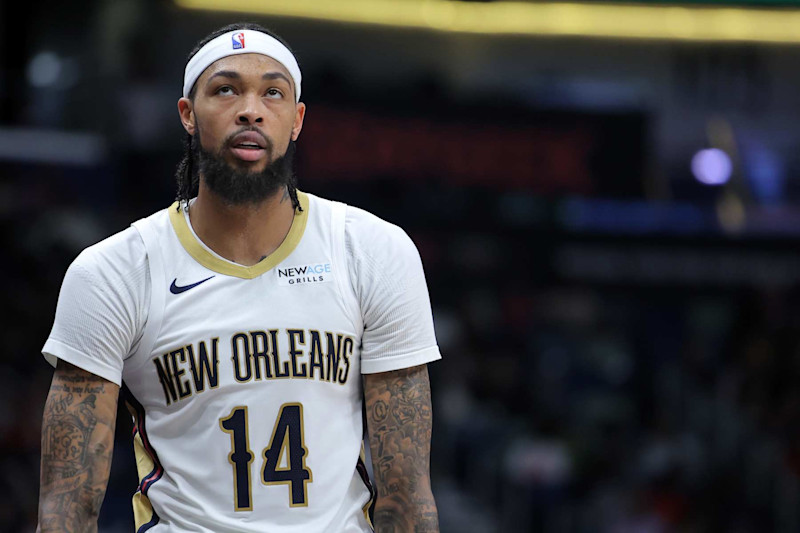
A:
<point x="629" y="412"/>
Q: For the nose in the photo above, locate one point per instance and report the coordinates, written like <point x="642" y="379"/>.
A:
<point x="251" y="112"/>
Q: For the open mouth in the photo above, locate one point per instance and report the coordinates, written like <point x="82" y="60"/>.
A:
<point x="248" y="146"/>
<point x="247" y="152"/>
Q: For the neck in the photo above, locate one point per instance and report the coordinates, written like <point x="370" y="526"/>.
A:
<point x="244" y="234"/>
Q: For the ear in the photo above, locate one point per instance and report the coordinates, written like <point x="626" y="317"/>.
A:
<point x="299" y="115"/>
<point x="186" y="111"/>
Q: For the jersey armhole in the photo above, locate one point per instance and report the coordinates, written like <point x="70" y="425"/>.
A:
<point x="155" y="315"/>
<point x="342" y="277"/>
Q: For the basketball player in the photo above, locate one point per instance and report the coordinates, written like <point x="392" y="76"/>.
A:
<point x="237" y="324"/>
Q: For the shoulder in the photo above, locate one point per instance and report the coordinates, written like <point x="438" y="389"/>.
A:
<point x="120" y="254"/>
<point x="366" y="234"/>
<point x="102" y="306"/>
<point x="373" y="235"/>
<point x="380" y="254"/>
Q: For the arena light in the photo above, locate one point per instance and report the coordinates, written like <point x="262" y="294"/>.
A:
<point x="44" y="70"/>
<point x="656" y="22"/>
<point x="712" y="166"/>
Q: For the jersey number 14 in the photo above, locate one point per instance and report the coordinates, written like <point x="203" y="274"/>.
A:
<point x="284" y="457"/>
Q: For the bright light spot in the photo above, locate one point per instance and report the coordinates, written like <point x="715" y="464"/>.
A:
<point x="712" y="166"/>
<point x="44" y="69"/>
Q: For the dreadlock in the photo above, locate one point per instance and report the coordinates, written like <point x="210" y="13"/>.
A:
<point x="186" y="176"/>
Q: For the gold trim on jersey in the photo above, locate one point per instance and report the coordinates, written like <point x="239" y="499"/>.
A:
<point x="144" y="463"/>
<point x="142" y="508"/>
<point x="142" y="511"/>
<point x="221" y="266"/>
<point x="362" y="462"/>
<point x="144" y="516"/>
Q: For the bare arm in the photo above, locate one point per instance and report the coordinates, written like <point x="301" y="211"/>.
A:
<point x="398" y="406"/>
<point x="77" y="442"/>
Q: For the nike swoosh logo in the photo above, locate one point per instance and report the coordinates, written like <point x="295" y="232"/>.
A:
<point x="176" y="289"/>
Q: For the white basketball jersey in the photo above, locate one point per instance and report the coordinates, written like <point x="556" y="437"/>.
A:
<point x="246" y="384"/>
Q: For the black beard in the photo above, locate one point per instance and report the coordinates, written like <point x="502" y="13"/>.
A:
<point x="239" y="187"/>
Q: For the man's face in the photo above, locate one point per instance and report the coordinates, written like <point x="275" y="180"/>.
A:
<point x="245" y="106"/>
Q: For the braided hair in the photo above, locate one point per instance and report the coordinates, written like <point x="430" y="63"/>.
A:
<point x="186" y="175"/>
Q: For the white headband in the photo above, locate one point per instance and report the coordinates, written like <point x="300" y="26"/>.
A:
<point x="240" y="42"/>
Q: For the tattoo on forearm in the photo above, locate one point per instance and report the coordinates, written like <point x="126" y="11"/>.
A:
<point x="390" y="521"/>
<point x="77" y="442"/>
<point x="400" y="422"/>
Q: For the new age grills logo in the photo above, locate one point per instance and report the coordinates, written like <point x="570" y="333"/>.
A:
<point x="238" y="41"/>
<point x="300" y="275"/>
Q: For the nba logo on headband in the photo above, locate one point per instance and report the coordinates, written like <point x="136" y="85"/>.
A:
<point x="238" y="40"/>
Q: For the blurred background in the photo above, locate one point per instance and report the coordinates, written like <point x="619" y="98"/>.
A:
<point x="606" y="199"/>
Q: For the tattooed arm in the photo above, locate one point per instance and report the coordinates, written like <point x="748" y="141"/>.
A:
<point x="398" y="405"/>
<point x="77" y="441"/>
